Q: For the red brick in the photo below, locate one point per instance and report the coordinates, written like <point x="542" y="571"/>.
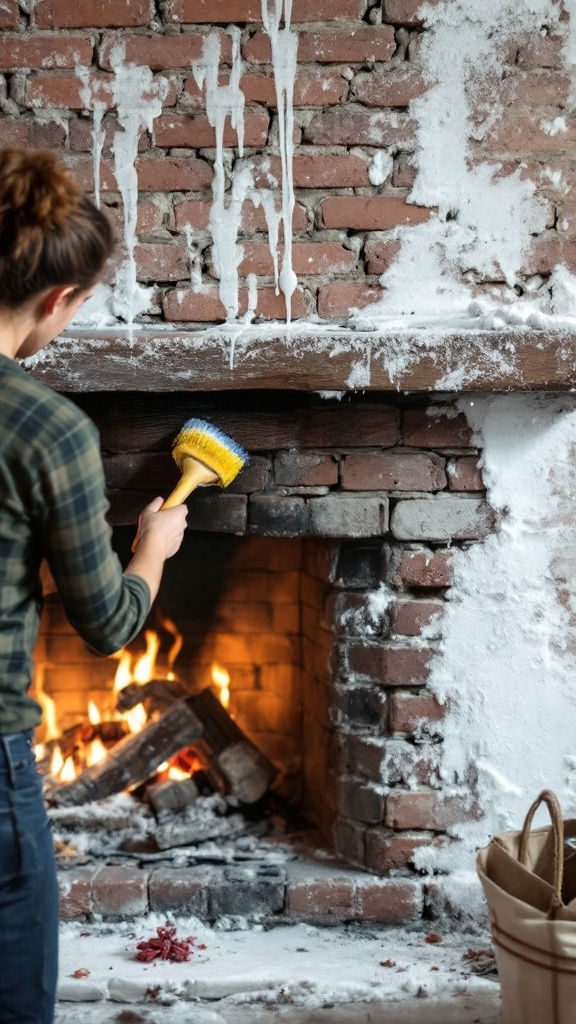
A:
<point x="408" y="712"/>
<point x="380" y="253"/>
<point x="355" y="126"/>
<point x="162" y="262"/>
<point x="526" y="133"/>
<point x="370" y="213"/>
<point x="87" y="14"/>
<point x="31" y="51"/>
<point x="539" y="88"/>
<point x="196" y="132"/>
<point x="196" y="212"/>
<point x="161" y="52"/>
<point x="464" y="474"/>
<point x="230" y="11"/>
<point x="421" y="430"/>
<point x="347" y="45"/>
<point x="548" y="250"/>
<point x="332" y="898"/>
<point x="338" y="300"/>
<point x="47" y="134"/>
<point x="393" y="851"/>
<point x="171" y="174"/>
<point x="393" y="471"/>
<point x="120" y="892"/>
<point x="406" y="666"/>
<point x="409" y="617"/>
<point x="308" y="258"/>
<point x="305" y="469"/>
<point x="433" y="811"/>
<point x="329" y="170"/>
<point x="543" y="50"/>
<point x="63" y="91"/>
<point x="389" y="902"/>
<point x="150" y="218"/>
<point x="349" y="841"/>
<point x="425" y="569"/>
<point x="180" y="891"/>
<point x="76" y="894"/>
<point x="9" y="16"/>
<point x="383" y="88"/>
<point x="14" y="131"/>
<point x="205" y="306"/>
<point x="360" y="802"/>
<point x="405" y="12"/>
<point x="405" y="171"/>
<point x="315" y="87"/>
<point x="390" y="666"/>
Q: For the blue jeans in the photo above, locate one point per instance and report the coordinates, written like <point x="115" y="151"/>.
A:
<point x="28" y="890"/>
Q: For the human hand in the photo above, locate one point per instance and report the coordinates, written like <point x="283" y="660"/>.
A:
<point x="161" y="530"/>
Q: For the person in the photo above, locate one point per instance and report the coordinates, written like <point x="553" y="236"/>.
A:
<point x="54" y="245"/>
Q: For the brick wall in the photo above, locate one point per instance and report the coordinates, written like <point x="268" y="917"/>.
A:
<point x="358" y="71"/>
<point x="318" y="617"/>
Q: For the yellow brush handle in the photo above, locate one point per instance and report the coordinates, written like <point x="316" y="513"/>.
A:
<point x="194" y="473"/>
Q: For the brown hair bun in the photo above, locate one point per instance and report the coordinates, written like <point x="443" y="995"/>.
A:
<point x="37" y="191"/>
<point x="50" y="232"/>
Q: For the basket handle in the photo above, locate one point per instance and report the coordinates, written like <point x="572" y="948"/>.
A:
<point x="553" y="804"/>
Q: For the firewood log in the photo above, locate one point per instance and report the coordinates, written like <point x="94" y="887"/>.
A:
<point x="134" y="758"/>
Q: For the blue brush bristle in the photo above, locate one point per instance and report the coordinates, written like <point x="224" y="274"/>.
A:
<point x="218" y="435"/>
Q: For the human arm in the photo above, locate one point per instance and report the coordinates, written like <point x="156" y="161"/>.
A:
<point x="159" y="536"/>
<point x="106" y="606"/>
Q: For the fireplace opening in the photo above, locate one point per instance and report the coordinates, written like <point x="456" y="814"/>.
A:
<point x="241" y="633"/>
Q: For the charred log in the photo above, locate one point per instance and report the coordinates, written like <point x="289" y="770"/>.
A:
<point x="227" y="752"/>
<point x="156" y="695"/>
<point x="135" y="758"/>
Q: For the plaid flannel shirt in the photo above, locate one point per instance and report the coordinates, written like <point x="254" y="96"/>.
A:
<point x="53" y="505"/>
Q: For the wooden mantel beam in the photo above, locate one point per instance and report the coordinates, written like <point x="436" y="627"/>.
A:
<point x="306" y="358"/>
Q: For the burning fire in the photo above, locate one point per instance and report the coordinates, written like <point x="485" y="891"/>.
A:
<point x="130" y="670"/>
<point x="221" y="678"/>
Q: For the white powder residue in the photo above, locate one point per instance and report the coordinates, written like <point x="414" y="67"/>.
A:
<point x="284" y="45"/>
<point x="195" y="261"/>
<point x="359" y="376"/>
<point x="381" y="167"/>
<point x="555" y="127"/>
<point x="507" y="658"/>
<point x="138" y="100"/>
<point x="484" y="223"/>
<point x="563" y="290"/>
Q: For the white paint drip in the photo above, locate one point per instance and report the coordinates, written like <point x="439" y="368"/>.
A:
<point x="252" y="299"/>
<point x="507" y="658"/>
<point x="284" y="44"/>
<point x="138" y="100"/>
<point x="570" y="49"/>
<point x="91" y="95"/>
<point x="484" y="223"/>
<point x="223" y="101"/>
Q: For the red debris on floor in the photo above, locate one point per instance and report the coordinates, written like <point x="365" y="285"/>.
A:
<point x="166" y="946"/>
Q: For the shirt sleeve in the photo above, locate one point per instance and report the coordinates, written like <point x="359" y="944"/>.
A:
<point x="106" y="606"/>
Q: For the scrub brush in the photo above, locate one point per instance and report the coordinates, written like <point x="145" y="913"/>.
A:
<point x="204" y="455"/>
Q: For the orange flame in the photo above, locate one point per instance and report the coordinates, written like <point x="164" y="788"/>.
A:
<point x="221" y="678"/>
